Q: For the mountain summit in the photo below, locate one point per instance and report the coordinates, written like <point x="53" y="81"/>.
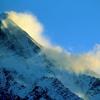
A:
<point x="27" y="73"/>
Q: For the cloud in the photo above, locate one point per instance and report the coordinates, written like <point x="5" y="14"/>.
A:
<point x="31" y="25"/>
<point x="88" y="63"/>
<point x="92" y="59"/>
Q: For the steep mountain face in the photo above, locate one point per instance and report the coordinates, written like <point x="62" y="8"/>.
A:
<point x="44" y="88"/>
<point x="85" y="86"/>
<point x="24" y="69"/>
<point x="90" y="86"/>
<point x="26" y="72"/>
<point x="49" y="88"/>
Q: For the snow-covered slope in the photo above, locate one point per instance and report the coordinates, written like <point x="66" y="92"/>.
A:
<point x="23" y="67"/>
<point x="27" y="73"/>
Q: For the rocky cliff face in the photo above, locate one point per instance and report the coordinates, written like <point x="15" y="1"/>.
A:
<point x="44" y="88"/>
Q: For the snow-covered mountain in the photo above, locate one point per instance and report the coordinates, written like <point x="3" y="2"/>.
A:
<point x="27" y="73"/>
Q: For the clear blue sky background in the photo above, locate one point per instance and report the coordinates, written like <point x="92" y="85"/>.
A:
<point x="73" y="24"/>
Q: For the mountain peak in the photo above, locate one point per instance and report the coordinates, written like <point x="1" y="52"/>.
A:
<point x="14" y="38"/>
<point x="3" y="16"/>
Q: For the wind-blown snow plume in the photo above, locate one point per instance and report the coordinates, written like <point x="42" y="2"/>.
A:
<point x="81" y="63"/>
<point x="31" y="25"/>
<point x="87" y="63"/>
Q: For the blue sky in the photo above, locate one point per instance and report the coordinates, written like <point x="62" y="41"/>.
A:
<point x="72" y="24"/>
